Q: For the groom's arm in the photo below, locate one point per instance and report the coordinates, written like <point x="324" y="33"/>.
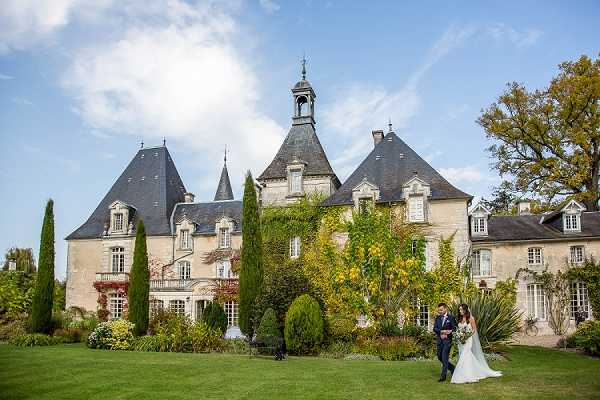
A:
<point x="453" y="323"/>
<point x="436" y="329"/>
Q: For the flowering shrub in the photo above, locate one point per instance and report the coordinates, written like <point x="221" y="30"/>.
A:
<point x="112" y="335"/>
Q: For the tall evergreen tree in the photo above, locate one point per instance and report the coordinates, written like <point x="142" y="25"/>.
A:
<point x="139" y="284"/>
<point x="251" y="273"/>
<point x="41" y="307"/>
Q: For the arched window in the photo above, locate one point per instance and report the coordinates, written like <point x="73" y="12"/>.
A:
<point x="118" y="259"/>
<point x="301" y="106"/>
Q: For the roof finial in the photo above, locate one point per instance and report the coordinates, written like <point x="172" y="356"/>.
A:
<point x="225" y="157"/>
<point x="390" y="124"/>
<point x="164" y="141"/>
<point x="142" y="144"/>
<point x="304" y="66"/>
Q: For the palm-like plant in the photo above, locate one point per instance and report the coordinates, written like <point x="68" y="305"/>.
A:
<point x="496" y="317"/>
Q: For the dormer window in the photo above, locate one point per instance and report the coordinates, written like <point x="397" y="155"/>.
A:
<point x="295" y="243"/>
<point x="415" y="209"/>
<point x="364" y="195"/>
<point x="295" y="181"/>
<point x="572" y="216"/>
<point x="479" y="225"/>
<point x="117" y="222"/>
<point x="224" y="238"/>
<point x="572" y="222"/>
<point x="479" y="220"/>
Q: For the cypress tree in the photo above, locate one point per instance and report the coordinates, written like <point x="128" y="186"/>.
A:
<point x="41" y="307"/>
<point x="251" y="274"/>
<point x="139" y="284"/>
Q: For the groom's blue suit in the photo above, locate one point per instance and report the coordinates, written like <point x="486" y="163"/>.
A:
<point x="447" y="323"/>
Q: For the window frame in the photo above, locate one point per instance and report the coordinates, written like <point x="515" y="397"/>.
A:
<point x="579" y="298"/>
<point x="118" y="221"/>
<point x="224" y="237"/>
<point x="177" y="306"/>
<point x="225" y="265"/>
<point x="531" y="255"/>
<point x="231" y="309"/>
<point x="117" y="258"/>
<point x="184" y="270"/>
<point x="476" y="262"/>
<point x="573" y="256"/>
<point x="295" y="178"/>
<point x="413" y="215"/>
<point x="535" y="297"/>
<point x="184" y="239"/>
<point x="479" y="225"/>
<point x="116" y="305"/>
<point x="572" y="222"/>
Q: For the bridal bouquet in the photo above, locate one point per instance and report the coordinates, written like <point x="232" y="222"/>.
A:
<point x="463" y="333"/>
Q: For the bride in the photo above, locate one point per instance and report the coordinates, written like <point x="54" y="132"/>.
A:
<point x="471" y="366"/>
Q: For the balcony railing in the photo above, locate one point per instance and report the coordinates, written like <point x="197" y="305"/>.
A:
<point x="112" y="276"/>
<point x="169" y="284"/>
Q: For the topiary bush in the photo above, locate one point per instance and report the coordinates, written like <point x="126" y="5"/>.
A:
<point x="35" y="339"/>
<point x="303" y="326"/>
<point x="215" y="317"/>
<point x="269" y="327"/>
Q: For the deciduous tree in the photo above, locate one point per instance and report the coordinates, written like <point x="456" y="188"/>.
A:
<point x="548" y="140"/>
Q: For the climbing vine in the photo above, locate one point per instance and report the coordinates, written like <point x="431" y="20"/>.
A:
<point x="556" y="288"/>
<point x="589" y="273"/>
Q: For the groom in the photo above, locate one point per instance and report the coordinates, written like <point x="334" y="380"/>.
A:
<point x="445" y="324"/>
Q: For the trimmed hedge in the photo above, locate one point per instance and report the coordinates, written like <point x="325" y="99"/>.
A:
<point x="35" y="339"/>
<point x="303" y="326"/>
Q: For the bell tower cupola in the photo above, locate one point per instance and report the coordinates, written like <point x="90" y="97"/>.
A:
<point x="304" y="100"/>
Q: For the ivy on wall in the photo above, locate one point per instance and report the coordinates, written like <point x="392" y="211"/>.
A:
<point x="589" y="273"/>
<point x="378" y="271"/>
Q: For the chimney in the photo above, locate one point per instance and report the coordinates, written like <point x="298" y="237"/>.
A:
<point x="524" y="207"/>
<point x="188" y="197"/>
<point x="377" y="137"/>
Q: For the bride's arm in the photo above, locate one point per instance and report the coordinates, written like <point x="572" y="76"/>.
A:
<point x="473" y="324"/>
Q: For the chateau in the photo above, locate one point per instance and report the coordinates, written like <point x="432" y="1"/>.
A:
<point x="191" y="245"/>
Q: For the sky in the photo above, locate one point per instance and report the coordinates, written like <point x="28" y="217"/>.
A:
<point x="83" y="83"/>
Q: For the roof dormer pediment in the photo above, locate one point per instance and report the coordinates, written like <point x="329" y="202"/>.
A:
<point x="416" y="185"/>
<point x="480" y="210"/>
<point x="573" y="207"/>
<point x="118" y="204"/>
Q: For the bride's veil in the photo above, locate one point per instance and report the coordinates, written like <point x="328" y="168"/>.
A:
<point x="478" y="353"/>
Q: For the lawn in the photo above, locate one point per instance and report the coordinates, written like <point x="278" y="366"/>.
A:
<point x="75" y="372"/>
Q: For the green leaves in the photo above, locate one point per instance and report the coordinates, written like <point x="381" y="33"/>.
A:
<point x="139" y="284"/>
<point x="549" y="139"/>
<point x="41" y="309"/>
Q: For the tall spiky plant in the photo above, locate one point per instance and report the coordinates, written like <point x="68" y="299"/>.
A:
<point x="139" y="284"/>
<point x="496" y="317"/>
<point x="251" y="273"/>
<point x="41" y="307"/>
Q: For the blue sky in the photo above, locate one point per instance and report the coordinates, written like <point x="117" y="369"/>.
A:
<point x="82" y="83"/>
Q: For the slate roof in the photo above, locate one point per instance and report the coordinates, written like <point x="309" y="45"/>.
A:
<point x="151" y="184"/>
<point x="301" y="142"/>
<point x="390" y="165"/>
<point x="205" y="215"/>
<point x="528" y="227"/>
<point x="224" y="191"/>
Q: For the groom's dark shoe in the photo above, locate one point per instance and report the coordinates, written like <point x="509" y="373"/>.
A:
<point x="442" y="379"/>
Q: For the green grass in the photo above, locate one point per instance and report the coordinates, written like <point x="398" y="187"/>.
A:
<point x="75" y="372"/>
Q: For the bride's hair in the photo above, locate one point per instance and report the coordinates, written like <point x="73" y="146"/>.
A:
<point x="466" y="313"/>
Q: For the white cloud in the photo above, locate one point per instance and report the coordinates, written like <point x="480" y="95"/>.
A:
<point x="521" y="39"/>
<point x="270" y="6"/>
<point x="467" y="174"/>
<point x="5" y="77"/>
<point x="363" y="107"/>
<point x="182" y="77"/>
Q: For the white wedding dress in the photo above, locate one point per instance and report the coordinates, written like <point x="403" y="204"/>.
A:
<point x="471" y="366"/>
